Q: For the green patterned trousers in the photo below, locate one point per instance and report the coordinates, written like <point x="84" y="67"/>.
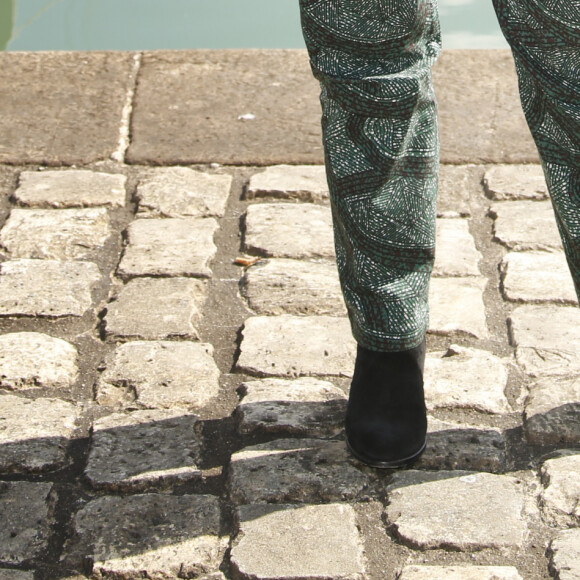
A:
<point x="373" y="59"/>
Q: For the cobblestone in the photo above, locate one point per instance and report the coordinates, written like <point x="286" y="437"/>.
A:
<point x="456" y="251"/>
<point x="460" y="573"/>
<point x="515" y="182"/>
<point x="71" y="188"/>
<point x="169" y="247"/>
<point x="565" y="554"/>
<point x="30" y="360"/>
<point x="302" y="182"/>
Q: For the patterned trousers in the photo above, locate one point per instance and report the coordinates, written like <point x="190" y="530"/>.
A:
<point x="373" y="59"/>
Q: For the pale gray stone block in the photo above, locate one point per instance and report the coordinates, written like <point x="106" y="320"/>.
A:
<point x="466" y="378"/>
<point x="552" y="411"/>
<point x="169" y="247"/>
<point x="16" y="575"/>
<point x="294" y="345"/>
<point x="305" y="406"/>
<point x="24" y="513"/>
<point x="288" y="230"/>
<point x="547" y="339"/>
<point x="31" y="360"/>
<point x="560" y="499"/>
<point x="456" y="305"/>
<point x="526" y="225"/>
<point x="537" y="277"/>
<point x="565" y="554"/>
<point x="71" y="188"/>
<point x="156" y="308"/>
<point x="152" y="535"/>
<point x="48" y="288"/>
<point x="303" y="182"/>
<point x="285" y="542"/>
<point x="456" y="252"/>
<point x="159" y="375"/>
<point x="515" y="182"/>
<point x="293" y="287"/>
<point x="181" y="192"/>
<point x="456" y="509"/>
<point x="295" y="470"/>
<point x="34" y="434"/>
<point x="131" y="452"/>
<point x="460" y="573"/>
<point x="48" y="234"/>
<point x="453" y="195"/>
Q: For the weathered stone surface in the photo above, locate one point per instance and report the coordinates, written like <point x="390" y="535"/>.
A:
<point x="293" y="287"/>
<point x="303" y="182"/>
<point x="560" y="499"/>
<point x="176" y="192"/>
<point x="552" y="412"/>
<point x="284" y="230"/>
<point x="456" y="305"/>
<point x="461" y="446"/>
<point x="65" y="234"/>
<point x="153" y="535"/>
<point x="526" y="225"/>
<point x="460" y="573"/>
<point x="70" y="188"/>
<point x="169" y="247"/>
<point x="456" y="251"/>
<point x="547" y="339"/>
<point x="34" y="434"/>
<point x="31" y="360"/>
<point x="295" y="470"/>
<point x="537" y="277"/>
<point x="515" y="182"/>
<point x="156" y="308"/>
<point x="453" y="194"/>
<point x="16" y="575"/>
<point x="305" y="406"/>
<point x="327" y="544"/>
<point x="293" y="345"/>
<point x="486" y="511"/>
<point x="450" y="378"/>
<point x="131" y="452"/>
<point x="565" y="555"/>
<point x="159" y="375"/>
<point x="24" y="513"/>
<point x="46" y="287"/>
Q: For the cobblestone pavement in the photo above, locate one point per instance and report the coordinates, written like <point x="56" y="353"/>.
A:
<point x="174" y="367"/>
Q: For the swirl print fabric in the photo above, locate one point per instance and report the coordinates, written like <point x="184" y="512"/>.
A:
<point x="373" y="59"/>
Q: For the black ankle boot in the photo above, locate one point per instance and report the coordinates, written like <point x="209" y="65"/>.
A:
<point x="386" y="420"/>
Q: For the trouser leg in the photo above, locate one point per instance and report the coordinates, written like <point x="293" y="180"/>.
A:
<point x="373" y="60"/>
<point x="545" y="39"/>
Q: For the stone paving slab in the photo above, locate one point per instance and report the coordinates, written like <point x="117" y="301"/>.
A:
<point x="296" y="471"/>
<point x="135" y="451"/>
<point x="16" y="575"/>
<point x="34" y="434"/>
<point x="466" y="378"/>
<point x="268" y="548"/>
<point x="460" y="573"/>
<point x="565" y="555"/>
<point x="515" y="182"/>
<point x="169" y="247"/>
<point x="486" y="511"/>
<point x="526" y="225"/>
<point x="301" y="182"/>
<point x="547" y="339"/>
<point x="65" y="234"/>
<point x="46" y="288"/>
<point x="283" y="230"/>
<point x="287" y="346"/>
<point x="456" y="251"/>
<point x="453" y="195"/>
<point x="537" y="277"/>
<point x="175" y="192"/>
<point x="70" y="188"/>
<point x="152" y="535"/>
<point x="159" y="375"/>
<point x="456" y="305"/>
<point x="30" y="360"/>
<point x="156" y="308"/>
<point x="26" y="521"/>
<point x="62" y="107"/>
<point x="281" y="286"/>
<point x="552" y="411"/>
